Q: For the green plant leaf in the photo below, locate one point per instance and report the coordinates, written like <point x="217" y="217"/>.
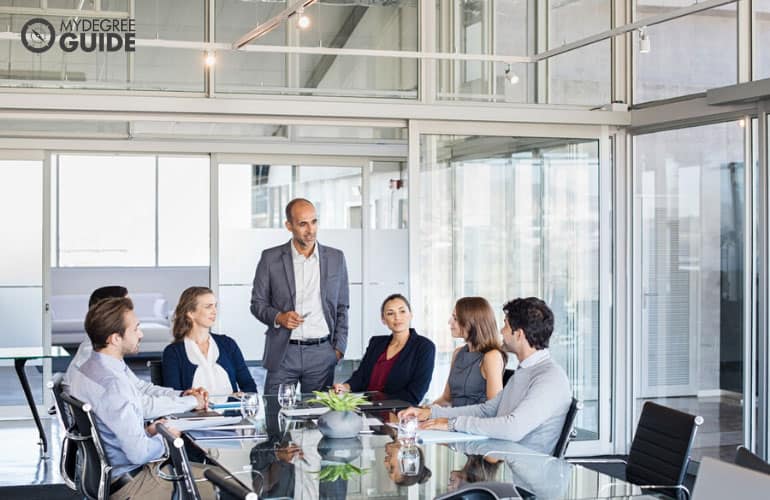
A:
<point x="338" y="402"/>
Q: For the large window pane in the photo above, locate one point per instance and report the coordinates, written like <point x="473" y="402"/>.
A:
<point x="514" y="217"/>
<point x="183" y="211"/>
<point x="761" y="39"/>
<point x="21" y="203"/>
<point x="386" y="26"/>
<point x="688" y="55"/>
<point x="106" y="210"/>
<point x="480" y="27"/>
<point x="581" y="76"/>
<point x="689" y="352"/>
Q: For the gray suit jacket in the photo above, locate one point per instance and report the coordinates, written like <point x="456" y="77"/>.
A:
<point x="274" y="292"/>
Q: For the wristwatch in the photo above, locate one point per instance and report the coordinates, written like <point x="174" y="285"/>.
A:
<point x="450" y="424"/>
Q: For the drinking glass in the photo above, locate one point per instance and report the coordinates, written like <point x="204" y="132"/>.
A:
<point x="409" y="460"/>
<point x="250" y="406"/>
<point x="407" y="430"/>
<point x="286" y="395"/>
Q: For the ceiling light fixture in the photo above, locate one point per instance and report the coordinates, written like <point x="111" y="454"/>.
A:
<point x="512" y="77"/>
<point x="644" y="40"/>
<point x="303" y="22"/>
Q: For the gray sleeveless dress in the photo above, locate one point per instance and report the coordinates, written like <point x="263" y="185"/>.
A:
<point x="466" y="385"/>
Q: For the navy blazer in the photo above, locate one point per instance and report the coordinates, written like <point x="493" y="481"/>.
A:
<point x="178" y="372"/>
<point x="274" y="292"/>
<point x="410" y="376"/>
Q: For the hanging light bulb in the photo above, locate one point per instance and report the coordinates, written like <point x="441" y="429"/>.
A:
<point x="210" y="59"/>
<point x="512" y="77"/>
<point x="303" y="22"/>
<point x="644" y="41"/>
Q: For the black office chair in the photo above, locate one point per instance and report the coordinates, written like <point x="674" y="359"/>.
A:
<point x="69" y="446"/>
<point x="748" y="460"/>
<point x="95" y="468"/>
<point x="507" y="374"/>
<point x="660" y="451"/>
<point x="486" y="490"/>
<point x="156" y="371"/>
<point x="568" y="430"/>
<point x="229" y="485"/>
<point x="184" y="482"/>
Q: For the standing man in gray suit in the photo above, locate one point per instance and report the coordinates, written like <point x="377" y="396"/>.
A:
<point x="301" y="293"/>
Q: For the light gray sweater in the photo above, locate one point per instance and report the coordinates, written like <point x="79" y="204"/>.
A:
<point x="530" y="409"/>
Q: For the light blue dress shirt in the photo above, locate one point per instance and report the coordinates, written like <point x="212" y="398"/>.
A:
<point x="157" y="401"/>
<point x="106" y="383"/>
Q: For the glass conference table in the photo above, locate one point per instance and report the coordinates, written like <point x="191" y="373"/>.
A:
<point x="287" y="457"/>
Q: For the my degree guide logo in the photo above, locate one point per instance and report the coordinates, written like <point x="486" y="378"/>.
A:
<point x="85" y="34"/>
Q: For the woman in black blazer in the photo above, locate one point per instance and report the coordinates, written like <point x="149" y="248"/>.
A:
<point x="399" y="364"/>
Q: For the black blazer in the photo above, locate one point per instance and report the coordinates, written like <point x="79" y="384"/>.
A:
<point x="410" y="377"/>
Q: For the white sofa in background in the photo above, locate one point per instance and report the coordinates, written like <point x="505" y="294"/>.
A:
<point x="68" y="312"/>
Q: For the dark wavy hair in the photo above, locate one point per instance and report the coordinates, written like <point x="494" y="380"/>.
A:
<point x="106" y="318"/>
<point x="532" y="316"/>
<point x="188" y="301"/>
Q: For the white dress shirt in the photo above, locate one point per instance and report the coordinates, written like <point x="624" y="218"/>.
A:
<point x="209" y="374"/>
<point x="307" y="283"/>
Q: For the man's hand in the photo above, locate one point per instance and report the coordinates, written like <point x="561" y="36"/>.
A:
<point x="288" y="453"/>
<point x="421" y="413"/>
<point x="152" y="430"/>
<point x="289" y="319"/>
<point x="201" y="395"/>
<point x="339" y="354"/>
<point x="439" y="424"/>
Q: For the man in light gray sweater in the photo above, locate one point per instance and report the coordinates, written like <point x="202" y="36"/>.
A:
<point x="533" y="404"/>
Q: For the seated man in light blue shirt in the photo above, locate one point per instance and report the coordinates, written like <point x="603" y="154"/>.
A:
<point x="157" y="401"/>
<point x="106" y="383"/>
<point x="532" y="406"/>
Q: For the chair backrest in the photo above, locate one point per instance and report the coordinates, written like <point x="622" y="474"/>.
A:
<point x="68" y="461"/>
<point x="95" y="467"/>
<point x="719" y="480"/>
<point x="567" y="430"/>
<point x="184" y="482"/>
<point x="660" y="450"/>
<point x="745" y="458"/>
<point x="156" y="371"/>
<point x="229" y="485"/>
<point x="507" y="374"/>
<point x="486" y="490"/>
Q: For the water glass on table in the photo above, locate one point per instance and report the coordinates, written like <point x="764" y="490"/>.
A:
<point x="250" y="406"/>
<point x="409" y="460"/>
<point x="286" y="395"/>
<point x="407" y="430"/>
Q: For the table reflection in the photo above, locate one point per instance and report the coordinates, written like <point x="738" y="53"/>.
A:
<point x="289" y="458"/>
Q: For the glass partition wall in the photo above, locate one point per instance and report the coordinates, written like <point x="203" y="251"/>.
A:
<point x="507" y="217"/>
<point x="689" y="340"/>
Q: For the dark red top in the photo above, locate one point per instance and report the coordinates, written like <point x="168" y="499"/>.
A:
<point x="381" y="371"/>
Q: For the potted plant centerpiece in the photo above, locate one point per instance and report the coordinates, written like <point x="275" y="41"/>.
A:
<point x="342" y="421"/>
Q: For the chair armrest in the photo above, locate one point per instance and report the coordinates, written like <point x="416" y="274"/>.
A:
<point x="596" y="461"/>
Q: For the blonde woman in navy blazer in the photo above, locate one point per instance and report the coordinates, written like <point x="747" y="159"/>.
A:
<point x="399" y="364"/>
<point x="198" y="357"/>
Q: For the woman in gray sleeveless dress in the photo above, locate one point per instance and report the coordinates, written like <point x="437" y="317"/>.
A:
<point x="476" y="373"/>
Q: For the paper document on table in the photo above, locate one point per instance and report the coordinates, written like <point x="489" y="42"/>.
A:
<point x="186" y="424"/>
<point x="304" y="412"/>
<point x="432" y="436"/>
<point x="373" y="421"/>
